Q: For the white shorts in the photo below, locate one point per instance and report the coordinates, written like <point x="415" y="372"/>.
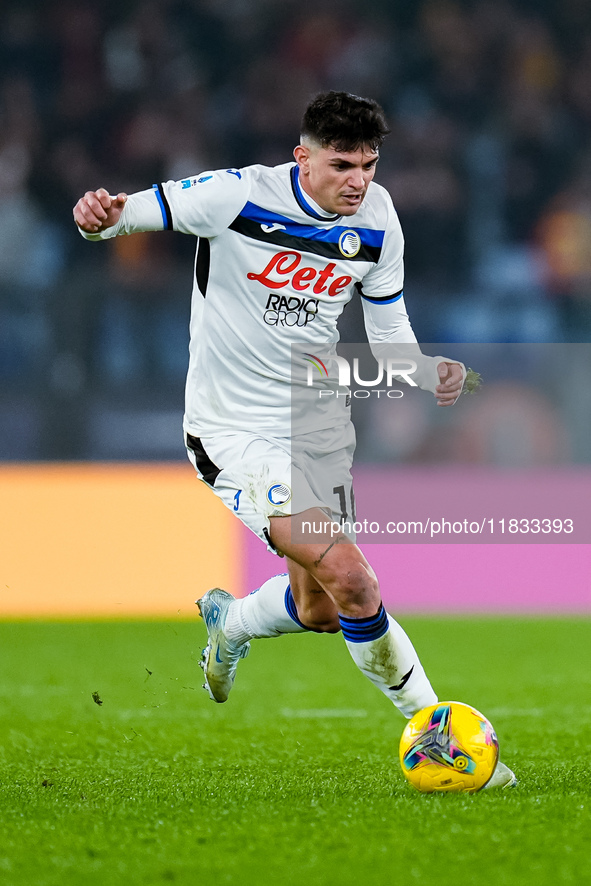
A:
<point x="260" y="477"/>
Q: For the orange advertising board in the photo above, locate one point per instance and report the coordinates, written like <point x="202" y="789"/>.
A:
<point x="111" y="540"/>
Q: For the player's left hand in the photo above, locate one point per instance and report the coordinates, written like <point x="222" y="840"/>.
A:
<point x="451" y="380"/>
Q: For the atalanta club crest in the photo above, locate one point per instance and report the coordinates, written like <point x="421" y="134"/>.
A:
<point x="279" y="494"/>
<point x="349" y="243"/>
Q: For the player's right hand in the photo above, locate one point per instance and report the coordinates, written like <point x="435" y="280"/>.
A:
<point x="98" y="210"/>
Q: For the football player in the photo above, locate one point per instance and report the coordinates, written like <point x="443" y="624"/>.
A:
<point x="280" y="252"/>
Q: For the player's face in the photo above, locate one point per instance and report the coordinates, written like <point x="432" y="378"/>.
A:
<point x="336" y="180"/>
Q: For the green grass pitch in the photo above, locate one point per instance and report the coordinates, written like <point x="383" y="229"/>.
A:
<point x="295" y="780"/>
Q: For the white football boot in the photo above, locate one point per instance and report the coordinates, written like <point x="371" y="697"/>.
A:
<point x="220" y="656"/>
<point x="502" y="777"/>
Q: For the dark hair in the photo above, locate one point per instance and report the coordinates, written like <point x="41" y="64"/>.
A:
<point x="344" y="122"/>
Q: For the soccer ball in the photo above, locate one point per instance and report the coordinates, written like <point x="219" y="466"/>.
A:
<point x="449" y="746"/>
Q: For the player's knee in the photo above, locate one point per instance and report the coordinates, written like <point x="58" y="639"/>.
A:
<point x="351" y="583"/>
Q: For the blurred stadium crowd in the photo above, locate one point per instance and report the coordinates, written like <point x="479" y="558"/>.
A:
<point x="488" y="163"/>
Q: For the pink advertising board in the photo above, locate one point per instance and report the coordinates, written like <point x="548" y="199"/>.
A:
<point x="516" y="577"/>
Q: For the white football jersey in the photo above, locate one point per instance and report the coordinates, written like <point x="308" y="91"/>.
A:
<point x="272" y="269"/>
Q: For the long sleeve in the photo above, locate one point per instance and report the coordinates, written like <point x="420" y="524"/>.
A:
<point x="203" y="205"/>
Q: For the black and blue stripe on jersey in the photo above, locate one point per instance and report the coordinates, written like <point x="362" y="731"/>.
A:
<point x="380" y="299"/>
<point x="261" y="224"/>
<point x="164" y="207"/>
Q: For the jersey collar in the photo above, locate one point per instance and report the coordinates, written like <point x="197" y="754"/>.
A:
<point x="305" y="202"/>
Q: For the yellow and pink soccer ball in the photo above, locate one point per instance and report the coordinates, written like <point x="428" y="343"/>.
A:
<point x="449" y="746"/>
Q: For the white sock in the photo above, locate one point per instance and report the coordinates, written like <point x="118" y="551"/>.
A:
<point x="267" y="612"/>
<point x="383" y="652"/>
